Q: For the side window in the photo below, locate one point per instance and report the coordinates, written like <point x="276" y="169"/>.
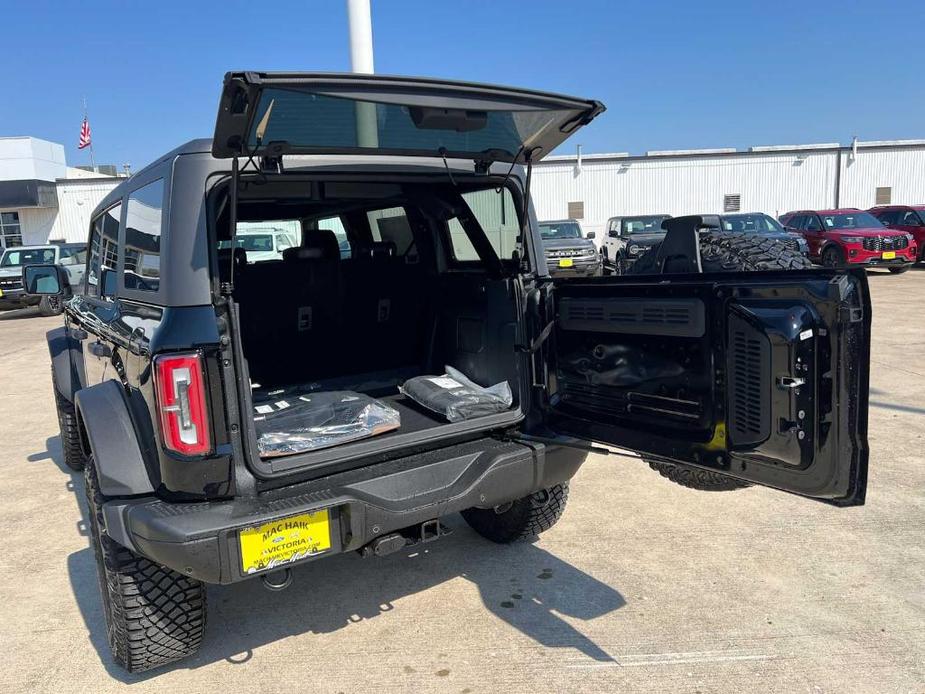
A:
<point x="793" y="222"/>
<point x="103" y="252"/>
<point x="336" y="225"/>
<point x="497" y="215"/>
<point x="143" y="224"/>
<point x="392" y="225"/>
<point x="910" y="219"/>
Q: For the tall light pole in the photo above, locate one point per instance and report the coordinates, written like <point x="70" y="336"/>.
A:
<point x="361" y="61"/>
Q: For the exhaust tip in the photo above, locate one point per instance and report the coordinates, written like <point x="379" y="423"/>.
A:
<point x="277" y="580"/>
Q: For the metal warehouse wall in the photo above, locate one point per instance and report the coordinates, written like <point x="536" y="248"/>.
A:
<point x="772" y="181"/>
<point x="76" y="201"/>
<point x="901" y="168"/>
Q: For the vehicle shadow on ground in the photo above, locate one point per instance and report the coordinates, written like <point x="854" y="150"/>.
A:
<point x="522" y="584"/>
<point x="18" y="313"/>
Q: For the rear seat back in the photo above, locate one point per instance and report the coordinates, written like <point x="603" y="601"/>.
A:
<point x="291" y="311"/>
<point x="386" y="308"/>
<point x="311" y="315"/>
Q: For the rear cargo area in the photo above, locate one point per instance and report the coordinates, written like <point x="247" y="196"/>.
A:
<point x="371" y="293"/>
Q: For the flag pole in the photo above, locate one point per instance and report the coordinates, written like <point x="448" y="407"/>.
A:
<point x="90" y="147"/>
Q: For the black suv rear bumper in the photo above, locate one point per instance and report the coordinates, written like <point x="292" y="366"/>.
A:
<point x="200" y="539"/>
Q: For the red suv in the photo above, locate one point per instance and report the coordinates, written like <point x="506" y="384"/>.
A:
<point x="852" y="237"/>
<point x="908" y="218"/>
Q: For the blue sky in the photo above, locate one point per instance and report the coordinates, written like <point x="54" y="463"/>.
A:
<point x="673" y="75"/>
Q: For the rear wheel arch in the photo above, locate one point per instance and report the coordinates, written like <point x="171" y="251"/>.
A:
<point x="109" y="435"/>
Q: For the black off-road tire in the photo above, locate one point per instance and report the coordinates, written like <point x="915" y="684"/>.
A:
<point x="732" y="252"/>
<point x="74" y="456"/>
<point x="154" y="615"/>
<point x="51" y="306"/>
<point x="723" y="252"/>
<point x="523" y="519"/>
<point x="832" y="257"/>
<point x="899" y="270"/>
<point x="696" y="478"/>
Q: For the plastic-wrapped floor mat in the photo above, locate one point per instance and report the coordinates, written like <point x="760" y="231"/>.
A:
<point x="456" y="397"/>
<point x="293" y="421"/>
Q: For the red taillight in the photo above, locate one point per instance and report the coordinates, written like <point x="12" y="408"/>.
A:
<point x="181" y="398"/>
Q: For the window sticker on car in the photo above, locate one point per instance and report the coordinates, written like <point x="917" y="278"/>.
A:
<point x="264" y="409"/>
<point x="805" y="335"/>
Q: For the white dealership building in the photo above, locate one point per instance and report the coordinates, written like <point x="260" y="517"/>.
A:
<point x="770" y="179"/>
<point x="43" y="199"/>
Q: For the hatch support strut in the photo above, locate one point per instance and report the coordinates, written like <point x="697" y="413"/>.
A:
<point x="227" y="288"/>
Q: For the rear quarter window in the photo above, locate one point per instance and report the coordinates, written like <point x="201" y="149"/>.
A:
<point x="143" y="226"/>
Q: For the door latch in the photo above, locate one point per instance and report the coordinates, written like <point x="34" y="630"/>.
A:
<point x="785" y="382"/>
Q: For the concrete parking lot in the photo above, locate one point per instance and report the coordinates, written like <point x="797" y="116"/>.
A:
<point x="643" y="586"/>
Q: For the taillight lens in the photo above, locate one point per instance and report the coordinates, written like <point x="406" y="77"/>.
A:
<point x="181" y="398"/>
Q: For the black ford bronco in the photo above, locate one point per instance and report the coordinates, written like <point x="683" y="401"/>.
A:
<point x="416" y="248"/>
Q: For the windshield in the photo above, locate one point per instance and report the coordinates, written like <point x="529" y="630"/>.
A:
<point x="643" y="225"/>
<point x="560" y="230"/>
<point x="750" y="223"/>
<point x="15" y="257"/>
<point x="851" y="220"/>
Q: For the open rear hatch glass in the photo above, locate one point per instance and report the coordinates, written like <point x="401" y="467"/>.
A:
<point x="271" y="114"/>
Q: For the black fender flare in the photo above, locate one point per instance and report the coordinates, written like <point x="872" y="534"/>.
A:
<point x="67" y="364"/>
<point x="109" y="434"/>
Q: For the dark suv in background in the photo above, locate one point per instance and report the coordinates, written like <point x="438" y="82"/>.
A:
<point x="907" y="218"/>
<point x="569" y="252"/>
<point x="180" y="353"/>
<point x="850" y="236"/>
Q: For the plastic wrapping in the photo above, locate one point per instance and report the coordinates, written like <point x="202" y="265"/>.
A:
<point x="456" y="397"/>
<point x="294" y="421"/>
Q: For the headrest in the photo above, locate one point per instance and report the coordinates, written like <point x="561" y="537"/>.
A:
<point x="376" y="250"/>
<point x="319" y="244"/>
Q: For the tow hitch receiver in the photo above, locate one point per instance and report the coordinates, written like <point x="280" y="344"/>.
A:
<point x="428" y="531"/>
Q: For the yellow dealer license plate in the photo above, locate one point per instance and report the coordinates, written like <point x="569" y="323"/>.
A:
<point x="284" y="541"/>
<point x="565" y="262"/>
<point x="1" y="292"/>
<point x="889" y="255"/>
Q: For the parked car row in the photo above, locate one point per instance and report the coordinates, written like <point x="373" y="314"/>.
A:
<point x="889" y="236"/>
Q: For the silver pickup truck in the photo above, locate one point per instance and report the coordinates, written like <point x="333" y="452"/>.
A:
<point x="71" y="256"/>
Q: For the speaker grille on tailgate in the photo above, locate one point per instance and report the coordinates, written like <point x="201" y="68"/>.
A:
<point x="749" y="383"/>
<point x="678" y="317"/>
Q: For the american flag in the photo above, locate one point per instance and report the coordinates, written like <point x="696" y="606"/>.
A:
<point x="84" y="134"/>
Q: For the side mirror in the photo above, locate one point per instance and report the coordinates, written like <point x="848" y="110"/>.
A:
<point x="43" y="280"/>
<point x="614" y="233"/>
<point x="589" y="235"/>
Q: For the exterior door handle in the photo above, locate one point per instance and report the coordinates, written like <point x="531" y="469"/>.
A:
<point x="98" y="349"/>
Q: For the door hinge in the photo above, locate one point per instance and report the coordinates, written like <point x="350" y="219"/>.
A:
<point x="850" y="314"/>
